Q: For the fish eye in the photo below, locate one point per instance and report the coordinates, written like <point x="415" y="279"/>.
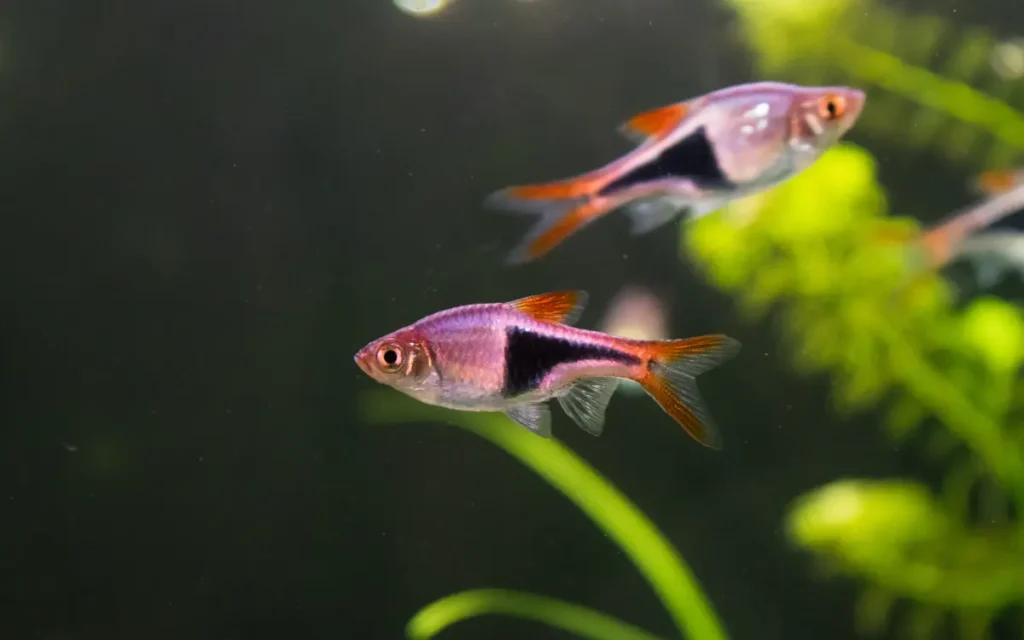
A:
<point x="389" y="357"/>
<point x="831" y="107"/>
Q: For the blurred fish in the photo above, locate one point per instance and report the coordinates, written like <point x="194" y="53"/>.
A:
<point x="697" y="155"/>
<point x="967" y="234"/>
<point x="946" y="241"/>
<point x="992" y="183"/>
<point x="514" y="356"/>
<point x="993" y="254"/>
<point x="636" y="313"/>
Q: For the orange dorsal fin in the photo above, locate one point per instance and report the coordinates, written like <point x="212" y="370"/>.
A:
<point x="558" y="307"/>
<point x="656" y="123"/>
<point x="996" y="182"/>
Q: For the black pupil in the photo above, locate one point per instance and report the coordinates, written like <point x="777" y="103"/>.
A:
<point x="831" y="109"/>
<point x="390" y="356"/>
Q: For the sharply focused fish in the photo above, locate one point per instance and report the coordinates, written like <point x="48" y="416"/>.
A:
<point x="514" y="356"/>
<point x="696" y="155"/>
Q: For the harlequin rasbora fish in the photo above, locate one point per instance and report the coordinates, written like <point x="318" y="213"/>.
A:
<point x="513" y="357"/>
<point x="696" y="155"/>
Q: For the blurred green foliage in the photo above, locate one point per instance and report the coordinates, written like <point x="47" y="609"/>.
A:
<point x="818" y="254"/>
<point x="860" y="309"/>
<point x="618" y="518"/>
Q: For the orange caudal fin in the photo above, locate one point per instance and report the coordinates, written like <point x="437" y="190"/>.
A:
<point x="671" y="380"/>
<point x="564" y="208"/>
<point x="559" y="307"/>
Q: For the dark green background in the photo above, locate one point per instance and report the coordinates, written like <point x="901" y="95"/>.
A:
<point x="208" y="206"/>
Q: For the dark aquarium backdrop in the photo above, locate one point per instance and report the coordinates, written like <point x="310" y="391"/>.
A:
<point x="209" y="206"/>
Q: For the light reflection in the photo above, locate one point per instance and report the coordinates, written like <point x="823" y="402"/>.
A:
<point x="422" y="7"/>
<point x="636" y="313"/>
<point x="1008" y="59"/>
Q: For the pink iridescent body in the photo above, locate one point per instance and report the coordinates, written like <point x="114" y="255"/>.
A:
<point x="469" y="347"/>
<point x="696" y="156"/>
<point x="514" y="356"/>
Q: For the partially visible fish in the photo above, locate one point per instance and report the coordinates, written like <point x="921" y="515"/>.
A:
<point x="514" y="356"/>
<point x="967" y="234"/>
<point x="696" y="155"/>
<point x="993" y="254"/>
<point x="944" y="242"/>
<point x="992" y="183"/>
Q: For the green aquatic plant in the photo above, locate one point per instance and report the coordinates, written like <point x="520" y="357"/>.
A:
<point x="933" y="73"/>
<point x="612" y="512"/>
<point x="817" y="253"/>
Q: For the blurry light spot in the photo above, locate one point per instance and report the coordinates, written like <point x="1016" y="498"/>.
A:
<point x="421" y="7"/>
<point x="1008" y="59"/>
<point x="636" y="313"/>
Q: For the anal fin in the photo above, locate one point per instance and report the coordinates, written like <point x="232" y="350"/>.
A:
<point x="650" y="213"/>
<point x="535" y="417"/>
<point x="704" y="207"/>
<point x="989" y="270"/>
<point x="586" y="402"/>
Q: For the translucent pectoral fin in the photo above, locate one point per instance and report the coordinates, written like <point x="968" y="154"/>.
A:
<point x="649" y="214"/>
<point x="535" y="417"/>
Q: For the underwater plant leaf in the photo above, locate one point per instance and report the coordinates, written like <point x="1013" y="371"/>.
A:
<point x="905" y="415"/>
<point x="994" y="328"/>
<point x="988" y="440"/>
<point x="581" y="621"/>
<point x="860" y="519"/>
<point x="617" y="517"/>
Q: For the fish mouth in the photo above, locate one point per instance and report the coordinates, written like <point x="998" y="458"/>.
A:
<point x="855" y="99"/>
<point x="361" y="361"/>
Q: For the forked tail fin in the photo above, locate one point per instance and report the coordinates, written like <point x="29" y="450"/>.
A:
<point x="564" y="208"/>
<point x="671" y="380"/>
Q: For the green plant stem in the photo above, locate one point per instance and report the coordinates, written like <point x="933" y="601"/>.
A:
<point x="582" y="621"/>
<point x="931" y="90"/>
<point x="619" y="518"/>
